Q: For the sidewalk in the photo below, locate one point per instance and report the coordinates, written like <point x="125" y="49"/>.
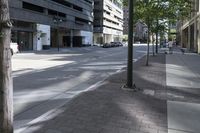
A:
<point x="160" y="108"/>
<point x="183" y="92"/>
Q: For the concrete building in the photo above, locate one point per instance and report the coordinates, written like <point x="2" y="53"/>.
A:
<point x="140" y="28"/>
<point x="41" y="24"/>
<point x="108" y="21"/>
<point x="141" y="32"/>
<point x="126" y="16"/>
<point x="189" y="36"/>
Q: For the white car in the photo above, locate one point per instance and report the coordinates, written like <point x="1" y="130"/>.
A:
<point x="14" y="48"/>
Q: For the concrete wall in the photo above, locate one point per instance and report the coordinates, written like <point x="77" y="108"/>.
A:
<point x="109" y="23"/>
<point x="18" y="13"/>
<point x="87" y="37"/>
<point x="42" y="36"/>
<point x="73" y="19"/>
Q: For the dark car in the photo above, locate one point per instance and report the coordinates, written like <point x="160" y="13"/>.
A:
<point x="120" y="43"/>
<point x="113" y="44"/>
<point x="106" y="45"/>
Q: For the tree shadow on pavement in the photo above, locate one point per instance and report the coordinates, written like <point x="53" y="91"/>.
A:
<point x="110" y="109"/>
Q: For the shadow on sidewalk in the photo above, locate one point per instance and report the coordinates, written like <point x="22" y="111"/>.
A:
<point x="109" y="109"/>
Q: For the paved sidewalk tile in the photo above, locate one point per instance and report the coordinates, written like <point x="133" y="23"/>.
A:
<point x="183" y="92"/>
<point x="183" y="117"/>
<point x="168" y="101"/>
<point x="110" y="109"/>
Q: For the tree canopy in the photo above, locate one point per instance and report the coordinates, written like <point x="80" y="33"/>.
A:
<point x="162" y="10"/>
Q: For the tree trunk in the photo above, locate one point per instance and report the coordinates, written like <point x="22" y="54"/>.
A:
<point x="6" y="86"/>
<point x="148" y="41"/>
<point x="157" y="24"/>
<point x="153" y="49"/>
<point x="156" y="42"/>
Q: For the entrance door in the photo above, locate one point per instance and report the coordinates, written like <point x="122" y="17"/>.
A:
<point x="77" y="41"/>
<point x="66" y="41"/>
<point x="25" y="41"/>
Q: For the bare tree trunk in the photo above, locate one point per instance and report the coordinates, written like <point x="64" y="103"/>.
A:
<point x="148" y="41"/>
<point x="153" y="48"/>
<point x="157" y="24"/>
<point x="157" y="40"/>
<point x="6" y="85"/>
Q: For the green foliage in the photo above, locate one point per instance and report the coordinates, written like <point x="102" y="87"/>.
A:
<point x="125" y="38"/>
<point x="125" y="2"/>
<point x="162" y="10"/>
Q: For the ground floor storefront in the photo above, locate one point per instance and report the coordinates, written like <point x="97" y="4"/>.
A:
<point x="189" y="35"/>
<point x="70" y="38"/>
<point x="106" y="38"/>
<point x="22" y="34"/>
<point x="107" y="35"/>
<point x="32" y="36"/>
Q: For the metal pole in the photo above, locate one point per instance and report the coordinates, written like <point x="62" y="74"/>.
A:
<point x="130" y="47"/>
<point x="57" y="20"/>
<point x="58" y="45"/>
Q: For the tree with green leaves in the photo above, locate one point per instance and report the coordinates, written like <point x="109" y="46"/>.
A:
<point x="6" y="86"/>
<point x="159" y="14"/>
<point x="147" y="11"/>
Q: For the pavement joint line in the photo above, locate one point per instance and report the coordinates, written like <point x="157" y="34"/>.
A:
<point x="47" y="116"/>
<point x="181" y="130"/>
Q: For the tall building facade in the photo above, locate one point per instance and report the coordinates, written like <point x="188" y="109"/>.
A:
<point x="188" y="30"/>
<point x="126" y="18"/>
<point x="108" y="21"/>
<point x="41" y="24"/>
<point x="140" y="28"/>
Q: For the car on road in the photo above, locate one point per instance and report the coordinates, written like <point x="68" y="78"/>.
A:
<point x="113" y="44"/>
<point x="120" y="43"/>
<point x="117" y="44"/>
<point x="106" y="45"/>
<point x="14" y="48"/>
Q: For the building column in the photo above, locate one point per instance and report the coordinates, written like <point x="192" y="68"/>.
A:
<point x="189" y="38"/>
<point x="195" y="36"/>
<point x="71" y="38"/>
<point x="104" y="38"/>
<point x="181" y="38"/>
<point x="198" y="37"/>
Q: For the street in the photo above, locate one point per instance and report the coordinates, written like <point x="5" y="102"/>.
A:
<point x="47" y="80"/>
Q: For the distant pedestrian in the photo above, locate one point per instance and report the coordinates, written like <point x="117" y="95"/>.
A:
<point x="170" y="44"/>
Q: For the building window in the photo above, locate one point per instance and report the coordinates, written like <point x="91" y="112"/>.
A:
<point x="109" y="7"/>
<point x="55" y="13"/>
<point x="32" y="7"/>
<point x="88" y="1"/>
<point x="63" y="2"/>
<point x="81" y="21"/>
<point x="78" y="8"/>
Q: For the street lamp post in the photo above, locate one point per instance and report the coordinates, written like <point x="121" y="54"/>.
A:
<point x="57" y="21"/>
<point x="129" y="83"/>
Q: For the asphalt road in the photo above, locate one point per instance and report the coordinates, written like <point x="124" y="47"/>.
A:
<point x="46" y="80"/>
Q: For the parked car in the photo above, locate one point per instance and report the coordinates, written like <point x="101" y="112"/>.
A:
<point x="120" y="43"/>
<point x="113" y="44"/>
<point x="14" y="48"/>
<point x="106" y="45"/>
